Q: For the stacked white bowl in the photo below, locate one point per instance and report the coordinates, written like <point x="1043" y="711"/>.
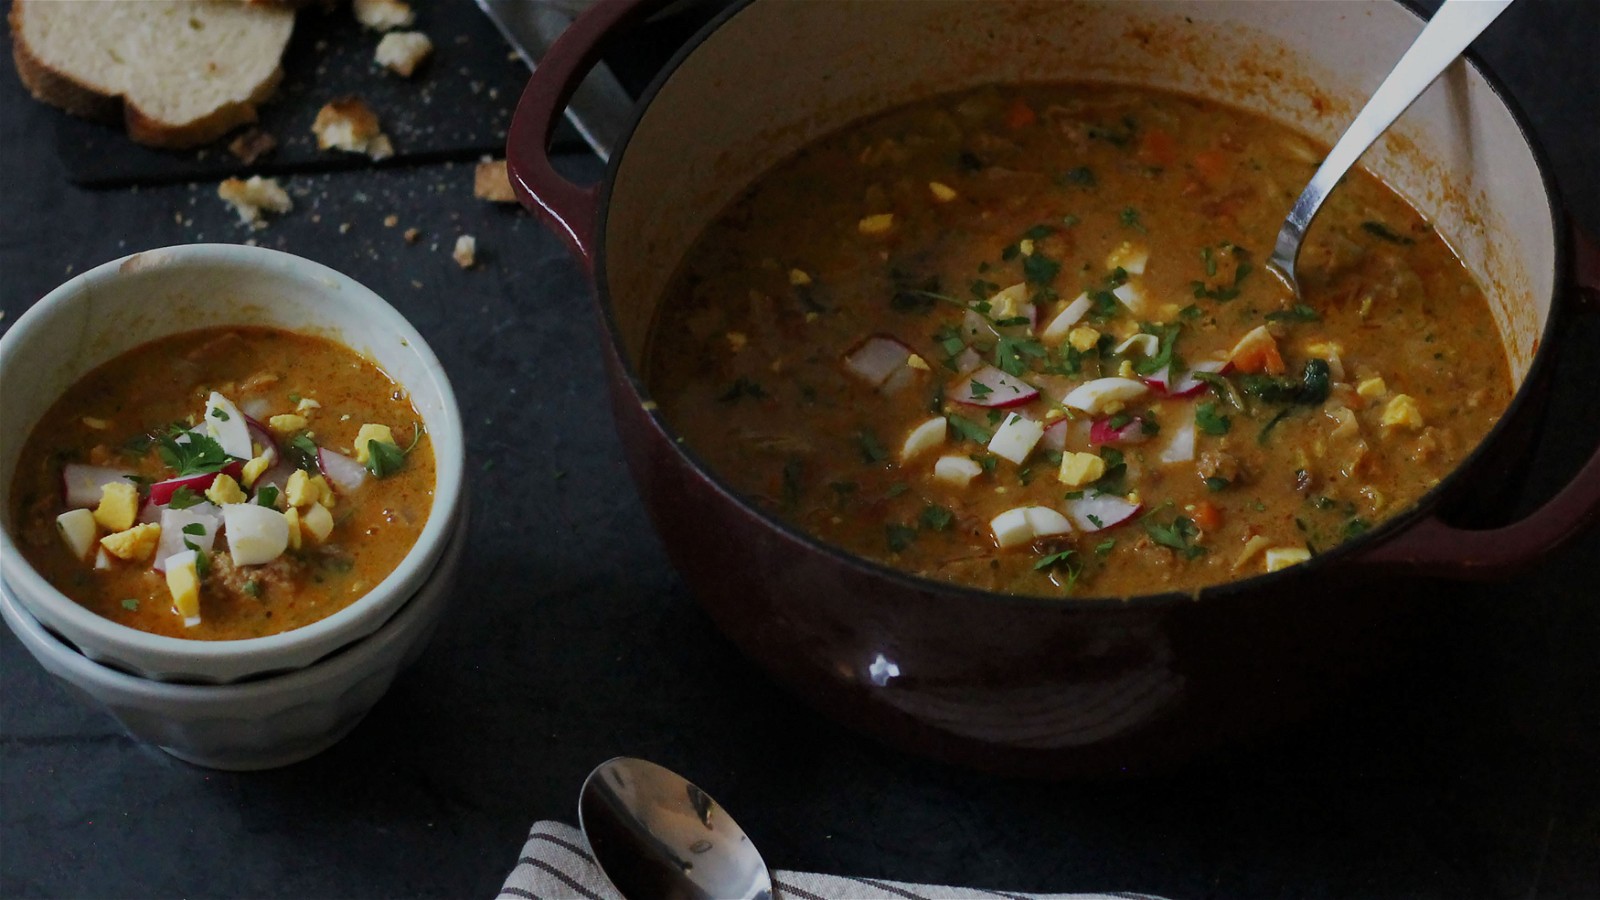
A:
<point x="241" y="704"/>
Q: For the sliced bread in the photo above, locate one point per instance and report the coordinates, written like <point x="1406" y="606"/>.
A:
<point x="179" y="72"/>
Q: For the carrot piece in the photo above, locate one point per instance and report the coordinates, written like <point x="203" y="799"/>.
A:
<point x="1207" y="516"/>
<point x="1157" y="148"/>
<point x="1020" y="114"/>
<point x="1211" y="164"/>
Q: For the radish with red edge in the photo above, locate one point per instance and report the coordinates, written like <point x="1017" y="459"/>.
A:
<point x="1130" y="432"/>
<point x="345" y="473"/>
<point x="256" y="408"/>
<point x="261" y="436"/>
<point x="1188" y="385"/>
<point x="277" y="476"/>
<point x="876" y="358"/>
<point x="227" y="426"/>
<point x="1099" y="512"/>
<point x="991" y="388"/>
<point x="161" y="492"/>
<point x="82" y="485"/>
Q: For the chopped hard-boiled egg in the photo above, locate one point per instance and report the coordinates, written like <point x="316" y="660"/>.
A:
<point x="1252" y="549"/>
<point x="299" y="490"/>
<point x="324" y="490"/>
<point x="923" y="438"/>
<point x="941" y="192"/>
<point x="1016" y="438"/>
<point x="1146" y="344"/>
<point x="78" y="529"/>
<point x="1101" y="394"/>
<point x="956" y="470"/>
<point x="226" y="425"/>
<point x="878" y="224"/>
<point x="254" y="469"/>
<point x="317" y="521"/>
<point x="119" y="506"/>
<point x="183" y="582"/>
<point x="1024" y="523"/>
<point x="134" y="544"/>
<point x="306" y="405"/>
<point x="1132" y="296"/>
<point x="286" y="424"/>
<point x="1284" y="557"/>
<point x="225" y="490"/>
<point x="256" y="534"/>
<point x="1402" y="412"/>
<point x="1372" y="388"/>
<point x="292" y="516"/>
<point x="799" y="277"/>
<point x="371" y="432"/>
<point x="1129" y="257"/>
<point x="1079" y="469"/>
<point x="1061" y="327"/>
<point x="1083" y="339"/>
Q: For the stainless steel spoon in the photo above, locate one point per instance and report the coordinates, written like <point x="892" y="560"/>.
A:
<point x="1448" y="33"/>
<point x="655" y="835"/>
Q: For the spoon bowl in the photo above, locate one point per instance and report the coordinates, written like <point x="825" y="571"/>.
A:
<point x="654" y="834"/>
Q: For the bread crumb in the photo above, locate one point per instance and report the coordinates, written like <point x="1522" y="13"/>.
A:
<point x="401" y="52"/>
<point x="490" y="182"/>
<point x="383" y="15"/>
<point x="466" y="251"/>
<point x="252" y="144"/>
<point x="411" y="235"/>
<point x="348" y="124"/>
<point x="250" y="198"/>
<point x="391" y="220"/>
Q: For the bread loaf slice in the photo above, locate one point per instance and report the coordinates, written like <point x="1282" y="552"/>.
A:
<point x="179" y="72"/>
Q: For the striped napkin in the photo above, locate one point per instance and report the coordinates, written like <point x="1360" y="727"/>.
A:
<point x="555" y="863"/>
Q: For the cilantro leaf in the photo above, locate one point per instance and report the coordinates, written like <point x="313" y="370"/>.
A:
<point x="899" y="536"/>
<point x="1179" y="536"/>
<point x="184" y="497"/>
<point x="969" y="429"/>
<point x="871" y="450"/>
<point x="1209" y="420"/>
<point x="383" y="459"/>
<point x="936" y="518"/>
<point x="1297" y="313"/>
<point x="267" y="496"/>
<point x="198" y="455"/>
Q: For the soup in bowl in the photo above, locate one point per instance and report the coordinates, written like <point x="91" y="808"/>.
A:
<point x="223" y="462"/>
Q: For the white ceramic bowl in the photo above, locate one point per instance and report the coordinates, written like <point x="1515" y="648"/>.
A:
<point x="127" y="302"/>
<point x="259" y="724"/>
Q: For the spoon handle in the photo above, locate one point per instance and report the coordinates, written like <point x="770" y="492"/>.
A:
<point x="1448" y="33"/>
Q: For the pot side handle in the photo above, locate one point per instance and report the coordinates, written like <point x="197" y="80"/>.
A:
<point x="1433" y="548"/>
<point x="572" y="211"/>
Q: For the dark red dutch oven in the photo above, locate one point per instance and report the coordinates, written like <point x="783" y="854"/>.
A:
<point x="1026" y="684"/>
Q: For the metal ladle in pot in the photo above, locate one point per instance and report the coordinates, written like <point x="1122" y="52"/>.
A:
<point x="655" y="835"/>
<point x="1447" y="34"/>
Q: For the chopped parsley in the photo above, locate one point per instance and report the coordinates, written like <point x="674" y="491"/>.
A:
<point x="898" y="488"/>
<point x="198" y="455"/>
<point x="1082" y="176"/>
<point x="185" y="497"/>
<point x="1209" y="420"/>
<point x="384" y="459"/>
<point x="1130" y="219"/>
<point x="1266" y="430"/>
<point x="1216" y="483"/>
<point x="303" y="453"/>
<point x="936" y="518"/>
<point x="1104" y="547"/>
<point x="252" y="587"/>
<point x="1297" y="313"/>
<point x="1011" y="354"/>
<point x="969" y="429"/>
<point x="267" y="496"/>
<point x="220" y="414"/>
<point x="979" y="389"/>
<point x="194" y="528"/>
<point x="130" y="604"/>
<point x="1178" y="536"/>
<point x="743" y="387"/>
<point x="899" y="536"/>
<point x="1062" y="559"/>
<point x="1384" y="232"/>
<point x="871" y="450"/>
<point x="1040" y="269"/>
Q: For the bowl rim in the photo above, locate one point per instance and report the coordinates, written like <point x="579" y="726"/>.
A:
<point x="1349" y="550"/>
<point x="29" y="586"/>
<point x="351" y="657"/>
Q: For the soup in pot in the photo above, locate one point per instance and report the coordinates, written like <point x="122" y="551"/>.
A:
<point x="1023" y="339"/>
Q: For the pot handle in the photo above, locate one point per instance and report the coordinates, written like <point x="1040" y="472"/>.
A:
<point x="572" y="211"/>
<point x="1433" y="548"/>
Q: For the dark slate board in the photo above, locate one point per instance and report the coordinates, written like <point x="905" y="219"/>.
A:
<point x="457" y="107"/>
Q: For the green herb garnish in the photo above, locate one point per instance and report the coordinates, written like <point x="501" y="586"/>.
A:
<point x="1209" y="420"/>
<point x="130" y="604"/>
<point x="185" y="497"/>
<point x="1179" y="536"/>
<point x="899" y="536"/>
<point x="936" y="518"/>
<point x="198" y="455"/>
<point x="1380" y="230"/>
<point x="383" y="459"/>
<point x="267" y="495"/>
<point x="742" y="387"/>
<point x="969" y="429"/>
<point x="1297" y="313"/>
<point x="871" y="450"/>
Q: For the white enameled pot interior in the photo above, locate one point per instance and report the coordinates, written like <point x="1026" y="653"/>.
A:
<point x="779" y="74"/>
<point x="124" y="303"/>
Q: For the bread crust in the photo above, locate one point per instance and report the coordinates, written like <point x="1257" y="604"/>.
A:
<point x="60" y="89"/>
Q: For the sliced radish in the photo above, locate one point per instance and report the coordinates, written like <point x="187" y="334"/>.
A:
<point x="227" y="426"/>
<point x="1015" y="438"/>
<point x="345" y="473"/>
<point x="1147" y="345"/>
<point x="1131" y="432"/>
<point x="903" y="377"/>
<point x="996" y="390"/>
<point x="173" y="537"/>
<point x="1070" y="315"/>
<point x="1181" y="447"/>
<point x="256" y="534"/>
<point x="277" y="476"/>
<point x="1094" y="396"/>
<point x="256" y="408"/>
<point x="161" y="492"/>
<point x="1100" y="511"/>
<point x="968" y="361"/>
<point x="260" y="435"/>
<point x="150" y="512"/>
<point x="82" y="485"/>
<point x="1046" y="522"/>
<point x="1188" y="385"/>
<point x="876" y="358"/>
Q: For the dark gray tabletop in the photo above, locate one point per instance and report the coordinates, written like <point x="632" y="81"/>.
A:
<point x="1472" y="771"/>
